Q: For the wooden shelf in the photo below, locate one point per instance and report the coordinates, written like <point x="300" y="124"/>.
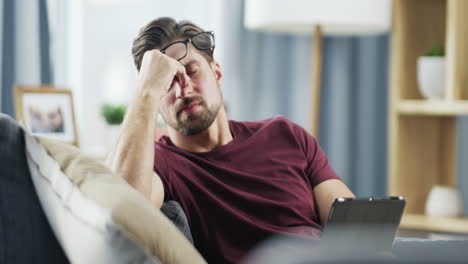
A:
<point x="423" y="134"/>
<point x="438" y="224"/>
<point x="432" y="107"/>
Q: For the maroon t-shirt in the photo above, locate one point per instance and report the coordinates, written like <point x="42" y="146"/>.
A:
<point x="258" y="185"/>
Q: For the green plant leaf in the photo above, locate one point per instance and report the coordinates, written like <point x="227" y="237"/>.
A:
<point x="435" y="51"/>
<point x="113" y="114"/>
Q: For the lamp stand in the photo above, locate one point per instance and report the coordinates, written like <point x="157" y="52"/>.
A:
<point x="317" y="53"/>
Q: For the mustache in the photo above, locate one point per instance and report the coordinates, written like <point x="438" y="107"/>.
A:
<point x="184" y="102"/>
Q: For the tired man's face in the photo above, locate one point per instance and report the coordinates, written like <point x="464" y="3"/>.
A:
<point x="192" y="108"/>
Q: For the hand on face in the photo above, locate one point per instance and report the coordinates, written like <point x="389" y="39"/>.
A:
<point x="158" y="72"/>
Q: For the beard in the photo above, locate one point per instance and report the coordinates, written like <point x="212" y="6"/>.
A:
<point x="197" y="121"/>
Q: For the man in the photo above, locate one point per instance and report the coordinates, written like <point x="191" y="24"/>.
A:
<point x="238" y="182"/>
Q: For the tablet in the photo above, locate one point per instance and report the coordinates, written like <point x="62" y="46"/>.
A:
<point x="364" y="224"/>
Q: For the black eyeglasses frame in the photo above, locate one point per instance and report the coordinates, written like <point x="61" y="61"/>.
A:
<point x="189" y="40"/>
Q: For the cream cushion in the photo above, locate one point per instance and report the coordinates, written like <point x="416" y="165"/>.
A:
<point x="118" y="215"/>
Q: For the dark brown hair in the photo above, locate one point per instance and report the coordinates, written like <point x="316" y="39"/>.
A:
<point x="161" y="32"/>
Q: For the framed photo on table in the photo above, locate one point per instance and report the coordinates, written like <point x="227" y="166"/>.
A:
<point x="47" y="112"/>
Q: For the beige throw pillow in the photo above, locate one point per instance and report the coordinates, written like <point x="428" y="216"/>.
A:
<point x="130" y="210"/>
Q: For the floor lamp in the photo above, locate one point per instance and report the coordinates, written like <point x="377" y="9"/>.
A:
<point x="318" y="17"/>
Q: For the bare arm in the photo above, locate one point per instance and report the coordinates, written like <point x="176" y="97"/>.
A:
<point x="326" y="192"/>
<point x="133" y="156"/>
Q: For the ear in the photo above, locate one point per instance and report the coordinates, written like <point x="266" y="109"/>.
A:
<point x="218" y="73"/>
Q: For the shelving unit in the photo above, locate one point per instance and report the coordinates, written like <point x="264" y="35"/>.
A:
<point x="423" y="133"/>
<point x="440" y="224"/>
<point x="432" y="108"/>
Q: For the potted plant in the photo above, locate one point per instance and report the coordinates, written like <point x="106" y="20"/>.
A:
<point x="113" y="115"/>
<point x="431" y="73"/>
<point x="444" y="201"/>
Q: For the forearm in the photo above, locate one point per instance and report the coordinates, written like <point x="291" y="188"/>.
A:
<point x="133" y="156"/>
<point x="326" y="192"/>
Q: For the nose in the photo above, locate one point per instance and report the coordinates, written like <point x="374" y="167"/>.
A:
<point x="183" y="89"/>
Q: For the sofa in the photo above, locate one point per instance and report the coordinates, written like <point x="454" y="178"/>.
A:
<point x="59" y="206"/>
<point x="25" y="233"/>
<point x="69" y="218"/>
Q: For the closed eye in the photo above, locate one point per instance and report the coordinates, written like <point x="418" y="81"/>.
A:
<point x="191" y="68"/>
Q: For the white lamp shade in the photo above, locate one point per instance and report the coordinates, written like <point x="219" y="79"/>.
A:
<point x="337" y="17"/>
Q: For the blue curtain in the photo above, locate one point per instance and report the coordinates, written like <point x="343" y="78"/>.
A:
<point x="11" y="13"/>
<point x="462" y="160"/>
<point x="44" y="42"/>
<point x="275" y="75"/>
<point x="353" y="119"/>
<point x="8" y="56"/>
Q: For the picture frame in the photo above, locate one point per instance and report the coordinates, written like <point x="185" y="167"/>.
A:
<point x="46" y="111"/>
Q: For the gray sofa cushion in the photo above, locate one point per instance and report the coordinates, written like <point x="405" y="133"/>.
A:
<point x="176" y="214"/>
<point x="426" y="250"/>
<point x="25" y="234"/>
<point x="294" y="250"/>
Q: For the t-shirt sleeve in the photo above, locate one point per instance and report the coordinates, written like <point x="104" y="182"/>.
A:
<point x="160" y="168"/>
<point x="318" y="168"/>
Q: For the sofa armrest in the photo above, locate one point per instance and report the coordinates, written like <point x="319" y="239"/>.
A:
<point x="25" y="233"/>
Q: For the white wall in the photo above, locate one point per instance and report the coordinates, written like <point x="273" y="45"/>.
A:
<point x="98" y="36"/>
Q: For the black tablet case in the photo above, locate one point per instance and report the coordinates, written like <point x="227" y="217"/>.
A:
<point x="363" y="224"/>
